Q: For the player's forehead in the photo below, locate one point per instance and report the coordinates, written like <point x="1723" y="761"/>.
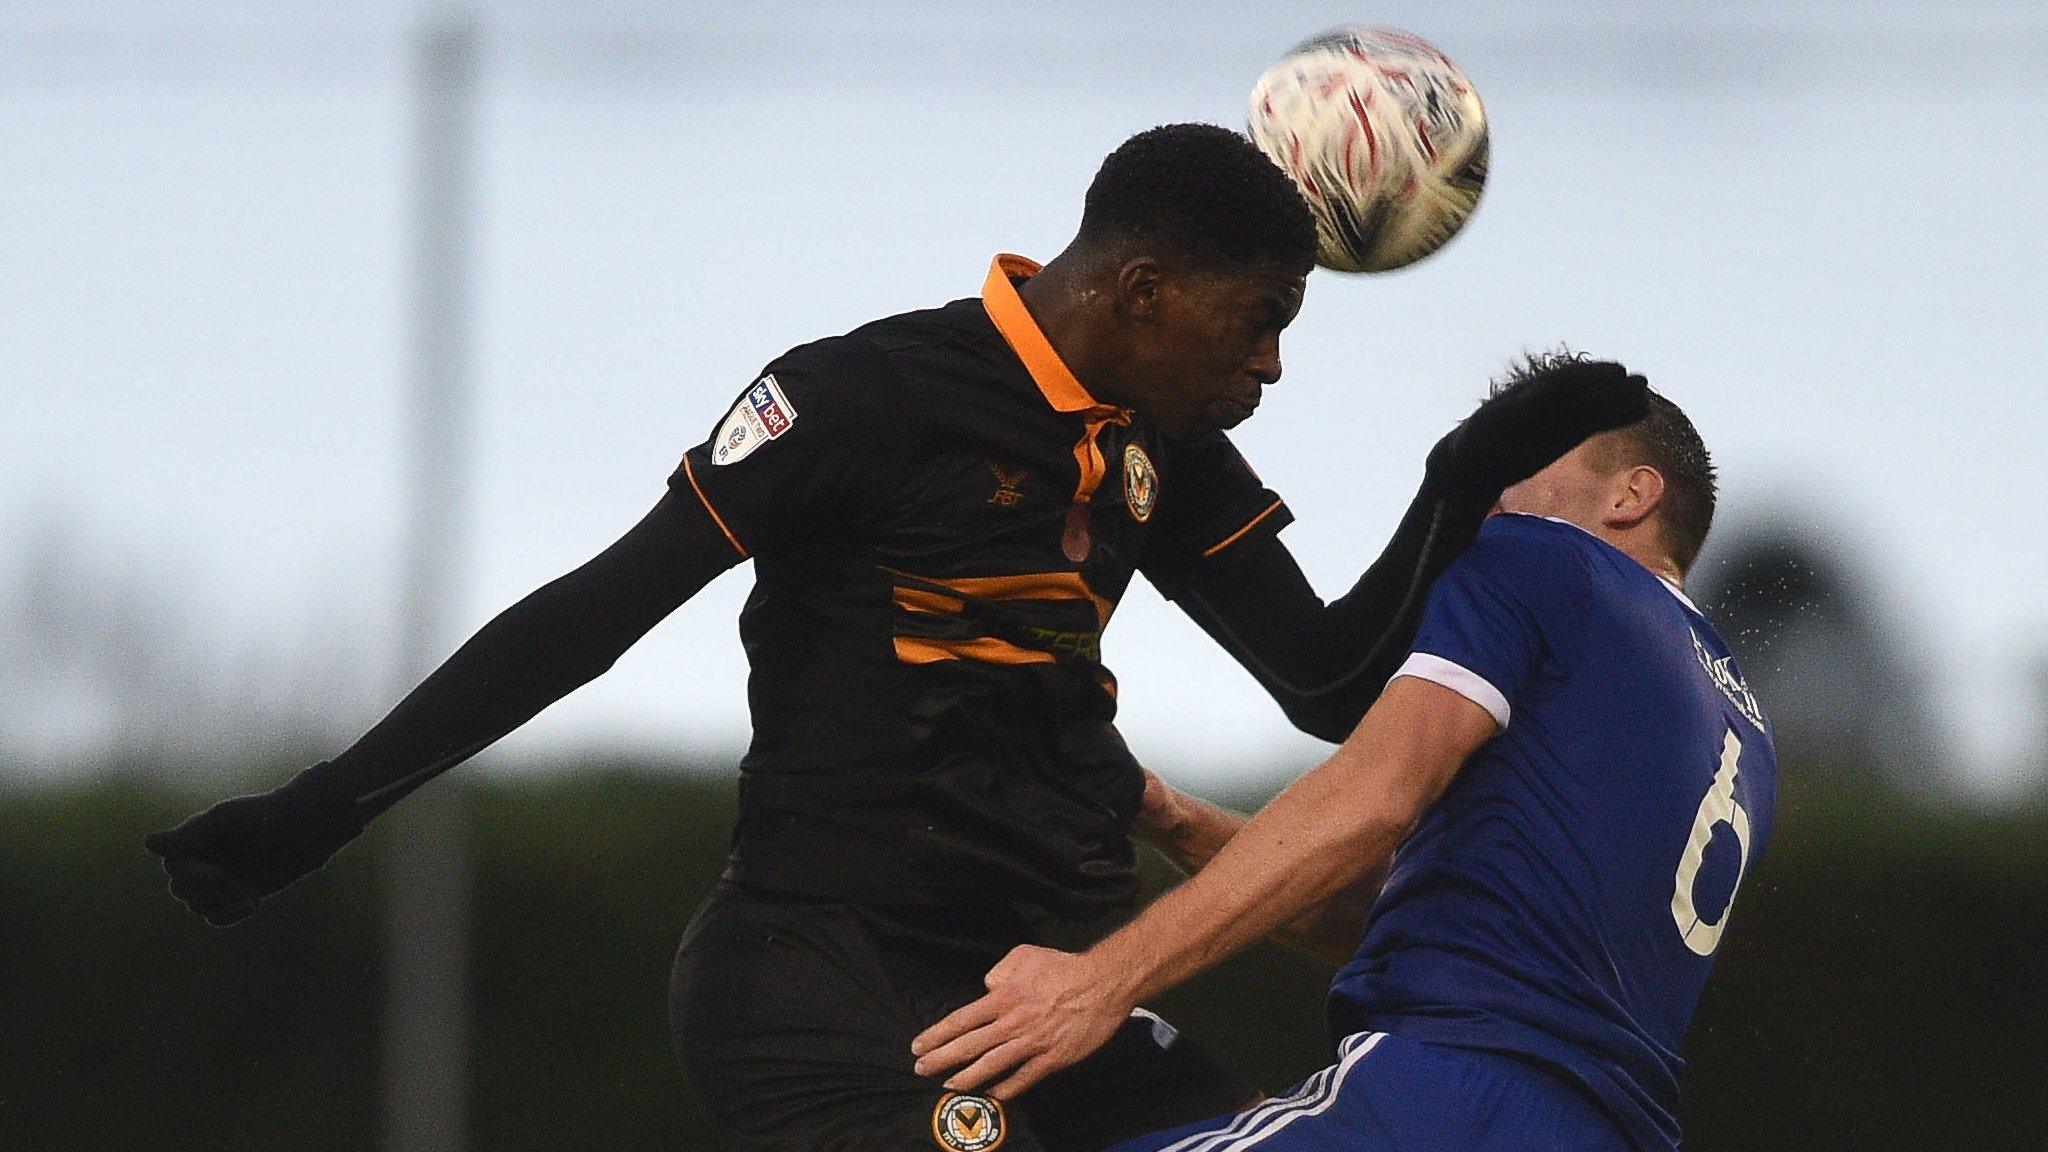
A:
<point x="1261" y="285"/>
<point x="1283" y="285"/>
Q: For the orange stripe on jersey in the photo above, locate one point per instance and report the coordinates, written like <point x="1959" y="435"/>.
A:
<point x="1234" y="537"/>
<point x="986" y="650"/>
<point x="715" y="517"/>
<point x="1055" y="380"/>
<point x="1088" y="454"/>
<point x="919" y="600"/>
<point x="1025" y="586"/>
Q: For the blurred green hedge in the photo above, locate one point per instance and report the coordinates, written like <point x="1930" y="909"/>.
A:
<point x="1884" y="987"/>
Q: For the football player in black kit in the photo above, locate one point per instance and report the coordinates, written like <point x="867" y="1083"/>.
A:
<point x="943" y="509"/>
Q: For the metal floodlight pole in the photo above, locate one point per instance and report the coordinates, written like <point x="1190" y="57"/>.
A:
<point x="426" y="1033"/>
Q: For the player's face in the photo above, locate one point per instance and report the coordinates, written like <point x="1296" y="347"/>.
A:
<point x="1213" y="346"/>
<point x="1573" y="488"/>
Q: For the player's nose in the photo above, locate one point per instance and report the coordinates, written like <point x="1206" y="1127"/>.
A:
<point x="1264" y="365"/>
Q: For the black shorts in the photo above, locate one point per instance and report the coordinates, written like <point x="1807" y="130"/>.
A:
<point x="793" y="1019"/>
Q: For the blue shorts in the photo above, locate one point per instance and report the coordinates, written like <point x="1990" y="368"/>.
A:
<point x="1390" y="1094"/>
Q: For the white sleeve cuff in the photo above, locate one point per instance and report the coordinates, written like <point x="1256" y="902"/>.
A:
<point x="1458" y="678"/>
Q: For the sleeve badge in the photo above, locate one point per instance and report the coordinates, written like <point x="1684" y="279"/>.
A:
<point x="762" y="414"/>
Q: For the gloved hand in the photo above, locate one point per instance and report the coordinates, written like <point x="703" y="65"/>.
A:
<point x="225" y="860"/>
<point x="1521" y="429"/>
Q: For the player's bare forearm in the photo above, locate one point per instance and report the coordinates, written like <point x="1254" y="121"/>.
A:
<point x="1327" y="831"/>
<point x="1332" y="929"/>
<point x="1185" y="828"/>
<point x="1190" y="831"/>
<point x="1295" y="854"/>
<point x="1330" y="829"/>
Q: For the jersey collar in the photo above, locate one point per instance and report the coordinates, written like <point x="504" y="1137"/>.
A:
<point x="1006" y="308"/>
<point x="1674" y="589"/>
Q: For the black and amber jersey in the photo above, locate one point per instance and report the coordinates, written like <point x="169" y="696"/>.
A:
<point x="942" y="520"/>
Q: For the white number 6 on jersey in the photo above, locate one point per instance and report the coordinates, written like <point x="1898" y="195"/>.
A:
<point x="1718" y="806"/>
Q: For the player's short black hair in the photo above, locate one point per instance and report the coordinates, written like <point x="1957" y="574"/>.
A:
<point x="1667" y="441"/>
<point x="1201" y="194"/>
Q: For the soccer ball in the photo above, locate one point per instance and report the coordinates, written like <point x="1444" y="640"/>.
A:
<point x="1384" y="136"/>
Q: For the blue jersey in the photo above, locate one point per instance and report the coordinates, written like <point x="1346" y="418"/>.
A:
<point x="1563" y="900"/>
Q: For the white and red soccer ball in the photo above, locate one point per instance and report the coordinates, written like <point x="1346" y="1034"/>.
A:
<point x="1385" y="137"/>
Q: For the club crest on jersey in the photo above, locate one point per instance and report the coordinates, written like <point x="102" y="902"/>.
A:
<point x="1141" y="483"/>
<point x="964" y="1122"/>
<point x="761" y="415"/>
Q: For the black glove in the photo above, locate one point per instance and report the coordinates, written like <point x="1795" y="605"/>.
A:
<point x="225" y="860"/>
<point x="1524" y="428"/>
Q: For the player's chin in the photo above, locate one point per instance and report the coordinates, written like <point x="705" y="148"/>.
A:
<point x="1226" y="412"/>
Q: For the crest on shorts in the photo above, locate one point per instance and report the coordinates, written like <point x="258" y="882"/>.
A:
<point x="964" y="1122"/>
<point x="1141" y="483"/>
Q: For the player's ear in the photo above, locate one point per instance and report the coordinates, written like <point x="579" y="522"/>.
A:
<point x="1635" y="495"/>
<point x="1138" y="285"/>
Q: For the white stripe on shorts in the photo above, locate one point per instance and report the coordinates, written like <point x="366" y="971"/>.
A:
<point x="1314" y="1097"/>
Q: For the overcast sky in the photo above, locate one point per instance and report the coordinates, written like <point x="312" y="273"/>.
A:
<point x="1819" y="228"/>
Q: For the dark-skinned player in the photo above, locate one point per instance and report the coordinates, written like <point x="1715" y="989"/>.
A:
<point x="943" y="509"/>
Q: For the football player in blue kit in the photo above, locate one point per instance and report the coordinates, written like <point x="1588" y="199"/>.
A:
<point x="1540" y="829"/>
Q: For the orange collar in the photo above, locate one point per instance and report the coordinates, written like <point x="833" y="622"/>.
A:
<point x="1014" y="321"/>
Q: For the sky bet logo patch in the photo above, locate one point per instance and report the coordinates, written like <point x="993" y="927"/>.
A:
<point x="763" y="414"/>
<point x="967" y="1123"/>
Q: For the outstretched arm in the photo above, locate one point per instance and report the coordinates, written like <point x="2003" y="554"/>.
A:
<point x="223" y="861"/>
<point x="559" y="638"/>
<point x="1046" y="1009"/>
<point x="1326" y="663"/>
